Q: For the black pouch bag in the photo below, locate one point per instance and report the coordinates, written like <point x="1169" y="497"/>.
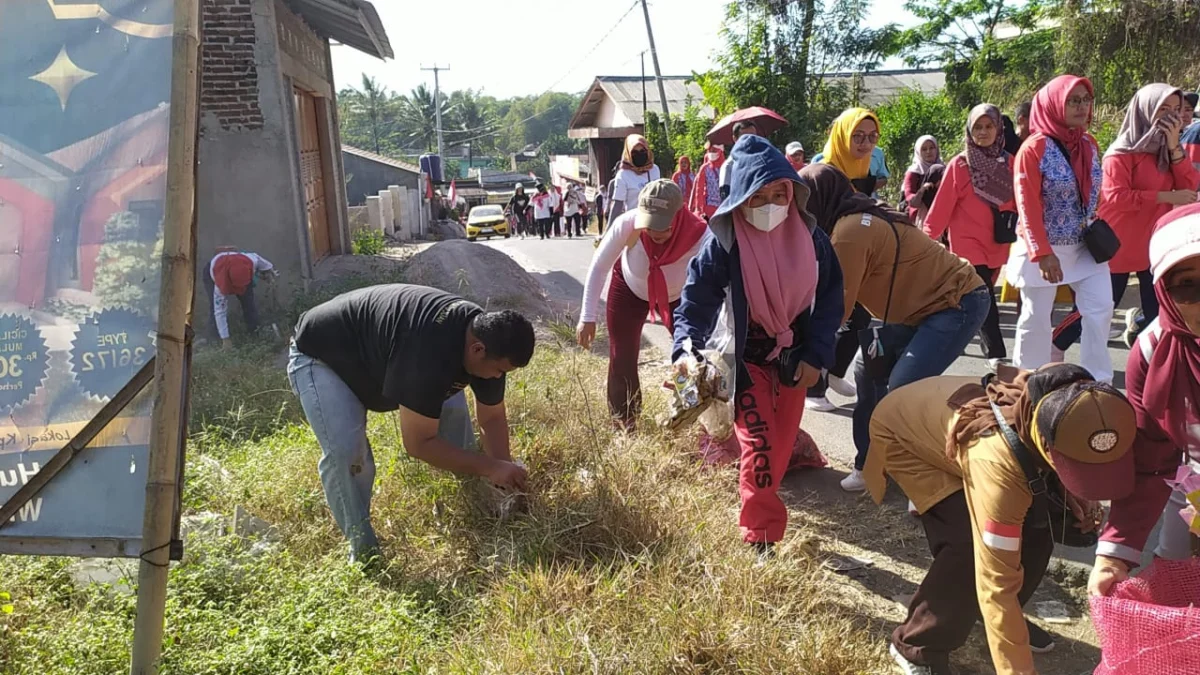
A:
<point x="880" y="353"/>
<point x="1004" y="226"/>
<point x="865" y="185"/>
<point x="1049" y="495"/>
<point x="789" y="358"/>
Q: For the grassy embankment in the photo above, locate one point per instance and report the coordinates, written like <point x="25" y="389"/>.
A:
<point x="628" y="562"/>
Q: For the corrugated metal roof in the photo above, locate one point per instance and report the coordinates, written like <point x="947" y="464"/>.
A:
<point x="626" y="93"/>
<point x="358" y="152"/>
<point x="354" y="23"/>
<point x="881" y="86"/>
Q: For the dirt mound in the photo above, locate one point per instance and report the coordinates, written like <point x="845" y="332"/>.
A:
<point x="445" y="230"/>
<point x="481" y="274"/>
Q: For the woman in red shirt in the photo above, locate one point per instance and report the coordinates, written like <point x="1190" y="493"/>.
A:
<point x="1145" y="175"/>
<point x="975" y="203"/>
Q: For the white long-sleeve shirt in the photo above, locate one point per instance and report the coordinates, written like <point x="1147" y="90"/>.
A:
<point x="220" y="301"/>
<point x="635" y="266"/>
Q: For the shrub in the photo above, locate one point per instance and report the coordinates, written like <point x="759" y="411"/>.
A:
<point x="909" y="116"/>
<point x="367" y="241"/>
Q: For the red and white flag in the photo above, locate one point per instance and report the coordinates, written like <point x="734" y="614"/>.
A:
<point x="1003" y="537"/>
<point x="453" y="196"/>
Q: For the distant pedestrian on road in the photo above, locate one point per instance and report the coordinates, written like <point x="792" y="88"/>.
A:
<point x="572" y="205"/>
<point x="930" y="301"/>
<point x="518" y="208"/>
<point x="637" y="169"/>
<point x="706" y="194"/>
<point x="599" y="210"/>
<point x="556" y="209"/>
<point x="413" y="350"/>
<point x="684" y="177"/>
<point x="975" y="206"/>
<point x="232" y="273"/>
<point x="967" y="457"/>
<point x="543" y="210"/>
<point x="781" y="277"/>
<point x="645" y="255"/>
<point x="926" y="155"/>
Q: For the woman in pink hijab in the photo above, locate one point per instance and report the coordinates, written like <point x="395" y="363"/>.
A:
<point x="765" y="256"/>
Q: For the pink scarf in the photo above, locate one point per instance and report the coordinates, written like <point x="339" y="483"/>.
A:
<point x="779" y="271"/>
<point x="686" y="229"/>
<point x="1173" y="373"/>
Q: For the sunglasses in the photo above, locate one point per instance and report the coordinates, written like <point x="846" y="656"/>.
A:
<point x="861" y="137"/>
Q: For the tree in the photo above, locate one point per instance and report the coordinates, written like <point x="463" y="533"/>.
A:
<point x="368" y="116"/>
<point x="471" y="122"/>
<point x="418" y="116"/>
<point x="951" y="31"/>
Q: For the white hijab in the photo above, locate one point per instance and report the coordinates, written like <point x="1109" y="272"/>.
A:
<point x="919" y="165"/>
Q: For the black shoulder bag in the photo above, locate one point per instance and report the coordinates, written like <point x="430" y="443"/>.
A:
<point x="1098" y="235"/>
<point x="880" y="354"/>
<point x="1004" y="226"/>
<point x="1049" y="502"/>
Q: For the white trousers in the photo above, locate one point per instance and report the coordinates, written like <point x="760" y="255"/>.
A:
<point x="1093" y="296"/>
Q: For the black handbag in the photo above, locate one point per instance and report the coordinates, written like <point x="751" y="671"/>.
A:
<point x="865" y="185"/>
<point x="1049" y="506"/>
<point x="880" y="352"/>
<point x="1004" y="226"/>
<point x="1098" y="235"/>
<point x="1101" y="241"/>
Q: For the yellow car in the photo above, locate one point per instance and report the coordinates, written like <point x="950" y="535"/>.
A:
<point x="487" y="221"/>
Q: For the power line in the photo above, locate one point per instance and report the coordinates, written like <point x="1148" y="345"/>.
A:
<point x="573" y="68"/>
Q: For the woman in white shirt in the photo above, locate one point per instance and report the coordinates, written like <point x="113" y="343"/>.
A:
<point x="637" y="169"/>
<point x="646" y="253"/>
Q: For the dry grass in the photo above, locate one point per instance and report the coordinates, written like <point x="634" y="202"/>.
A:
<point x="629" y="561"/>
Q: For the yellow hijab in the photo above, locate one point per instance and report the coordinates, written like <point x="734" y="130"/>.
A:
<point x="837" y="148"/>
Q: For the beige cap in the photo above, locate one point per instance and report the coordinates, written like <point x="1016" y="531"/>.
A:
<point x="658" y="203"/>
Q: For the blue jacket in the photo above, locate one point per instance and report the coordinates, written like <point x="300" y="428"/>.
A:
<point x="717" y="268"/>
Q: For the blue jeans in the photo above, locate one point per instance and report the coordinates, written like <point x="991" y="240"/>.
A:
<point x="347" y="465"/>
<point x="930" y="348"/>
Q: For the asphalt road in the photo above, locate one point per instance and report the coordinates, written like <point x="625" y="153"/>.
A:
<point x="562" y="265"/>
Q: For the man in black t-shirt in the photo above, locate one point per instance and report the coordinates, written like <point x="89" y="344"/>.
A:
<point x="413" y="349"/>
<point x="518" y="206"/>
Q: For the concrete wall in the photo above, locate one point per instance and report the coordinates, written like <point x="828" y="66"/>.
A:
<point x="249" y="191"/>
<point x="368" y="177"/>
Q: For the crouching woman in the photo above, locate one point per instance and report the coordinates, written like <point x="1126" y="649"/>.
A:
<point x="968" y="458"/>
<point x="778" y="270"/>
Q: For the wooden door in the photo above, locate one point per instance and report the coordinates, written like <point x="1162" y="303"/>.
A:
<point x="312" y="174"/>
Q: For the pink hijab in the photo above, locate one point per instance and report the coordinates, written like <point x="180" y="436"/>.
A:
<point x="1173" y="372"/>
<point x="1048" y="116"/>
<point x="779" y="271"/>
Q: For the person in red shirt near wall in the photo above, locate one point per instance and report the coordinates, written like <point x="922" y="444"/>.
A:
<point x="1162" y="379"/>
<point x="975" y="204"/>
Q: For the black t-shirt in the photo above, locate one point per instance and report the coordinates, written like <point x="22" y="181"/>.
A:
<point x="518" y="204"/>
<point x="397" y="345"/>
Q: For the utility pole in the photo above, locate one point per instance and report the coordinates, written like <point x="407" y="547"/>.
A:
<point x="662" y="92"/>
<point x="437" y="106"/>
<point x="643" y="87"/>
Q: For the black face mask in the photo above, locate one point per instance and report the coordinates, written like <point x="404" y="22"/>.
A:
<point x="640" y="157"/>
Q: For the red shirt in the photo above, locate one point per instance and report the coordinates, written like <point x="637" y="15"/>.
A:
<point x="968" y="218"/>
<point x="1129" y="203"/>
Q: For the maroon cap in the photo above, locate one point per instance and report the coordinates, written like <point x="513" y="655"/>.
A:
<point x="1085" y="430"/>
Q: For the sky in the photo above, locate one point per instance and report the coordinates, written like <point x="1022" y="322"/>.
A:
<point x="548" y="45"/>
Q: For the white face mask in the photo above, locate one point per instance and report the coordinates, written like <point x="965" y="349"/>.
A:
<point x="766" y="218"/>
<point x="713" y="156"/>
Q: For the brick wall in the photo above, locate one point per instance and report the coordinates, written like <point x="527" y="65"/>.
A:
<point x="229" y="77"/>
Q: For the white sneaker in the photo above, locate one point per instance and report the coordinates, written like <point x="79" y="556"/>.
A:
<point x="1057" y="355"/>
<point x="819" y="403"/>
<point x="912" y="509"/>
<point x="854" y="482"/>
<point x="993" y="364"/>
<point x="842" y="386"/>
<point x="1116" y="334"/>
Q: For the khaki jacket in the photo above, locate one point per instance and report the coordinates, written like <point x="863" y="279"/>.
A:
<point x="908" y="440"/>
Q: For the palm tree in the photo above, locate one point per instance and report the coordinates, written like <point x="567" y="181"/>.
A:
<point x="418" y="116"/>
<point x="370" y="110"/>
<point x="471" y="122"/>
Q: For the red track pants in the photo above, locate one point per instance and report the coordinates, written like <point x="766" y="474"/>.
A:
<point x="768" y="419"/>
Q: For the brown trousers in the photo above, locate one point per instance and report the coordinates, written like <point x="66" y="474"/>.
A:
<point x="945" y="608"/>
